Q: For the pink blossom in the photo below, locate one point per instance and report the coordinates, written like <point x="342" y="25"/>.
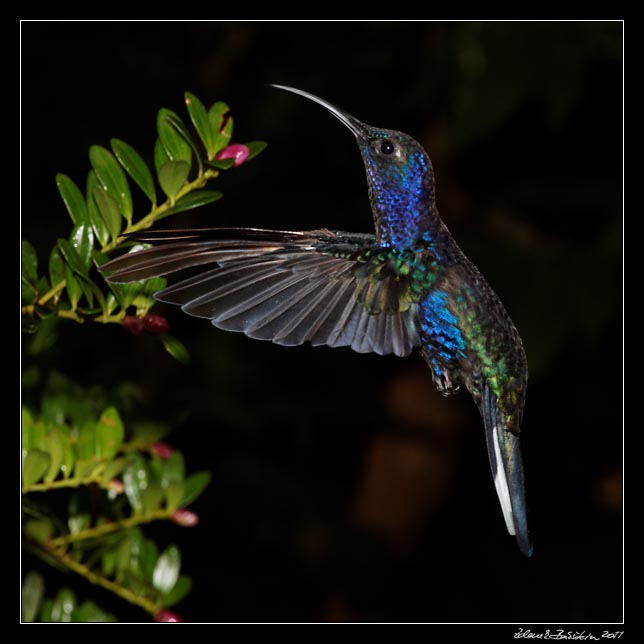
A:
<point x="186" y="518"/>
<point x="162" y="450"/>
<point x="165" y="615"/>
<point x="237" y="151"/>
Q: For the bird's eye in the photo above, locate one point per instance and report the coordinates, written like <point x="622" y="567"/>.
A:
<point x="386" y="147"/>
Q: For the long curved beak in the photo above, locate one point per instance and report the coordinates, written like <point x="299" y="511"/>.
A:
<point x="352" y="123"/>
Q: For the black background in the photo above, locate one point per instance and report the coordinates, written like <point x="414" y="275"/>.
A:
<point x="344" y="487"/>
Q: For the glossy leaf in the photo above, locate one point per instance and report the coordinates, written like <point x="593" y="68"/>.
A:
<point x="29" y="263"/>
<point x="172" y="176"/>
<point x="64" y="606"/>
<point x="73" y="258"/>
<point x="78" y="522"/>
<point x="135" y="480"/>
<point x="73" y="198"/>
<point x="52" y="443"/>
<point x="109" y="210"/>
<point x="56" y="266"/>
<point x="166" y="571"/>
<point x="33" y="590"/>
<point x="112" y="178"/>
<point x="82" y="239"/>
<point x="193" y="486"/>
<point x="35" y="466"/>
<point x="221" y="164"/>
<point x="221" y="122"/>
<point x="109" y="434"/>
<point x="74" y="291"/>
<point x="255" y="147"/>
<point x="160" y="155"/>
<point x="179" y="591"/>
<point x="175" y="348"/>
<point x="192" y="200"/>
<point x="173" y="142"/>
<point x="199" y="118"/>
<point x="101" y="230"/>
<point x="136" y="167"/>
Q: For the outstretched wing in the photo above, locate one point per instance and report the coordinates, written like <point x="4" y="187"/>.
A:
<point x="324" y="287"/>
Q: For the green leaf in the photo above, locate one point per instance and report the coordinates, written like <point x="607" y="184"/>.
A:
<point x="135" y="480"/>
<point x="46" y="612"/>
<point x="173" y="141"/>
<point x="173" y="494"/>
<point x="192" y="200"/>
<point x="113" y="469"/>
<point x="175" y="348"/>
<point x="109" y="434"/>
<point x="221" y="164"/>
<point x="73" y="198"/>
<point x="148" y="558"/>
<point x="73" y="258"/>
<point x="29" y="263"/>
<point x="151" y="498"/>
<point x="88" y="611"/>
<point x="193" y="486"/>
<point x="64" y="605"/>
<point x="52" y="444"/>
<point x="160" y="155"/>
<point x="101" y="230"/>
<point x="136" y="167"/>
<point x="39" y="530"/>
<point x="56" y="266"/>
<point x="112" y="178"/>
<point x="172" y="176"/>
<point x="88" y="468"/>
<point x="200" y="120"/>
<point x="33" y="590"/>
<point x="109" y="210"/>
<point x="82" y="239"/>
<point x="254" y="148"/>
<point x="73" y="287"/>
<point x="174" y="468"/>
<point x="179" y="591"/>
<point x="221" y="123"/>
<point x="166" y="572"/>
<point x="27" y="434"/>
<point x="86" y="444"/>
<point x="34" y="468"/>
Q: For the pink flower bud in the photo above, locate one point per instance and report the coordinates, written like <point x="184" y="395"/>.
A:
<point x="162" y="450"/>
<point x="237" y="151"/>
<point x="165" y="615"/>
<point x="155" y="324"/>
<point x="186" y="518"/>
<point x="133" y="324"/>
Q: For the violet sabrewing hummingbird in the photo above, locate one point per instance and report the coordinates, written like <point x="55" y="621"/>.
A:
<point x="406" y="287"/>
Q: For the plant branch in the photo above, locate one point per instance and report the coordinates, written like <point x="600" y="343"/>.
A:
<point x="107" y="528"/>
<point x="67" y="560"/>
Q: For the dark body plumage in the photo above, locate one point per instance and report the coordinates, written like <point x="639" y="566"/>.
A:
<point x="407" y="287"/>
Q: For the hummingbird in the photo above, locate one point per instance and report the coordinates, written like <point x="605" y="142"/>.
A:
<point x="406" y="287"/>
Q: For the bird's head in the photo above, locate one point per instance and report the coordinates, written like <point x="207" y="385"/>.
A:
<point x="399" y="174"/>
